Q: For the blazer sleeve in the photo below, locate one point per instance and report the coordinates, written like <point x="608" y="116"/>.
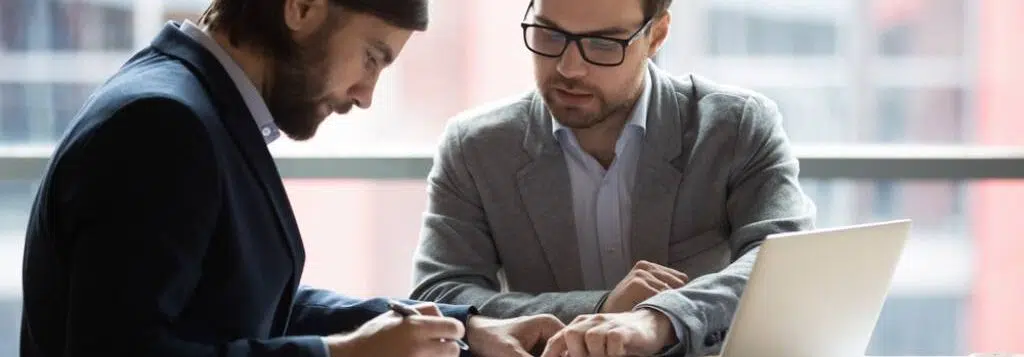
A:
<point x="323" y="312"/>
<point x="456" y="261"/>
<point x="764" y="198"/>
<point x="141" y="196"/>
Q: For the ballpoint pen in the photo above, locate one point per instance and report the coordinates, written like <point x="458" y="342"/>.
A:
<point x="403" y="310"/>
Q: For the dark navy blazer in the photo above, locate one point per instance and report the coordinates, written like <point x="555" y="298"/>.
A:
<point x="162" y="228"/>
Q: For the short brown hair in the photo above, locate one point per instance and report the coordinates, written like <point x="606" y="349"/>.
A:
<point x="656" y="8"/>
<point x="260" y="23"/>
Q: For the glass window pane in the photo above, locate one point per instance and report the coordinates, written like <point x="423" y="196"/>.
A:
<point x="737" y="32"/>
<point x="879" y="71"/>
<point x="65" y="25"/>
<point x="38" y="113"/>
<point x="919" y="27"/>
<point x="15" y="203"/>
<point x="931" y="115"/>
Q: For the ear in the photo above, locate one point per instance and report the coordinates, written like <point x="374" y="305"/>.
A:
<point x="659" y="32"/>
<point x="304" y="17"/>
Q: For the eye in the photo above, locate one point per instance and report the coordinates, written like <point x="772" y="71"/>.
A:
<point x="371" y="61"/>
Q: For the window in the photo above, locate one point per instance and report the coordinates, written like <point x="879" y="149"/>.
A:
<point x="65" y="25"/>
<point x="37" y="113"/>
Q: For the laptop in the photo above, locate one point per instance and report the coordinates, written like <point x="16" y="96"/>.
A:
<point x="816" y="293"/>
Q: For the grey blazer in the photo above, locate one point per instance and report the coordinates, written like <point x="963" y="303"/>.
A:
<point x="716" y="175"/>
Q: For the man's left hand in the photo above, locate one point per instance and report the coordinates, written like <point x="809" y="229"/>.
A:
<point x="644" y="332"/>
<point x="490" y="337"/>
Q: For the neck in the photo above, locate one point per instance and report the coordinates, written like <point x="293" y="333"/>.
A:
<point x="252" y="62"/>
<point x="599" y="140"/>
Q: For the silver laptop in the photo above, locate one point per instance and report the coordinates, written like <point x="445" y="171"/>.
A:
<point x="816" y="293"/>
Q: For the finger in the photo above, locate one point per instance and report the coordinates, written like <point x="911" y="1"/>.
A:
<point x="655" y="286"/>
<point x="574" y="340"/>
<point x="652" y="267"/>
<point x="427" y="308"/>
<point x="664" y="275"/>
<point x="595" y="339"/>
<point x="556" y="346"/>
<point x="433" y="327"/>
<point x="643" y="265"/>
<point x="678" y="274"/>
<point x="615" y="342"/>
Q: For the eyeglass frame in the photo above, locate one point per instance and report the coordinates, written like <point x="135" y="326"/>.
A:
<point x="572" y="37"/>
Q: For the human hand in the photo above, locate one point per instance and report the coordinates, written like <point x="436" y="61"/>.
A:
<point x="390" y="334"/>
<point x="644" y="332"/>
<point x="645" y="280"/>
<point x="516" y="337"/>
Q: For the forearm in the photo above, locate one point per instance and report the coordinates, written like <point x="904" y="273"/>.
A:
<point x="564" y="305"/>
<point x="702" y="311"/>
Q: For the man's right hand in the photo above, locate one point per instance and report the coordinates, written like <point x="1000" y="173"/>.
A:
<point x="645" y="280"/>
<point x="392" y="335"/>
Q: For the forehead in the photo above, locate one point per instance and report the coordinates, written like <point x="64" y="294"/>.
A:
<point x="586" y="15"/>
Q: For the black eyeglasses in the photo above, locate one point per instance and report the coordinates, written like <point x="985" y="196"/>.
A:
<point x="551" y="42"/>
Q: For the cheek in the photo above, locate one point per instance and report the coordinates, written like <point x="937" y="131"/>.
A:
<point x="544" y="68"/>
<point x="340" y="75"/>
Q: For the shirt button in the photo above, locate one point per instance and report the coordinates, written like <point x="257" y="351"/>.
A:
<point x="266" y="131"/>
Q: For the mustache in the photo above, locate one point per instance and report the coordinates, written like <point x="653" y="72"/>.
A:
<point x="341" y="108"/>
<point x="569" y="84"/>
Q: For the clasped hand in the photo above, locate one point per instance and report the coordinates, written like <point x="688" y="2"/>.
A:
<point x="432" y="335"/>
<point x="619" y="330"/>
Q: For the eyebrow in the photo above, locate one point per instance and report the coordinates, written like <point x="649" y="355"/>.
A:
<point x="614" y="30"/>
<point x="385" y="50"/>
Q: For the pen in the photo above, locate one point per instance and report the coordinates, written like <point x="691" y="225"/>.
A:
<point x="401" y="309"/>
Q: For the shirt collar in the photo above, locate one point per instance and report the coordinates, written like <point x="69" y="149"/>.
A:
<point x="250" y="95"/>
<point x="637" y="117"/>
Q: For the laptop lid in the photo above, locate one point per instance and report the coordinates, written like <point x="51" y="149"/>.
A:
<point x="816" y="293"/>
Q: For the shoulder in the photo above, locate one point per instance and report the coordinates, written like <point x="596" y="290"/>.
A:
<point x="721" y="104"/>
<point x="152" y="99"/>
<point x="710" y="93"/>
<point x="495" y="122"/>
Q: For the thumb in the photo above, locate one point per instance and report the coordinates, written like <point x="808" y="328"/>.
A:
<point x="547" y="325"/>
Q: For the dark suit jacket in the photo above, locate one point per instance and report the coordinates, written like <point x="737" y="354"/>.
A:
<point x="161" y="227"/>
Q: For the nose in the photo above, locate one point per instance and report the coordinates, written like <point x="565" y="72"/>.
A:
<point x="571" y="64"/>
<point x="362" y="92"/>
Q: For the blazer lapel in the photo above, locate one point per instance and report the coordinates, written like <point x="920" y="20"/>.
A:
<point x="547" y="194"/>
<point x="240" y="125"/>
<point x="658" y="179"/>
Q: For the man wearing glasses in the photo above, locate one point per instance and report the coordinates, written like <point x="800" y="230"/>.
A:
<point x="615" y="196"/>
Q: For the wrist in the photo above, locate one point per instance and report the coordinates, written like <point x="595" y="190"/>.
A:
<point x="474" y="323"/>
<point x="339" y="345"/>
<point x="599" y="308"/>
<point x="661" y="325"/>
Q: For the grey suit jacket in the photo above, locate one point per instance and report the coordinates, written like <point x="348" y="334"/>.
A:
<point x="715" y="176"/>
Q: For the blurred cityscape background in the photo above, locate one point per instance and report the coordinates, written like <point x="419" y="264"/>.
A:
<point x="931" y="72"/>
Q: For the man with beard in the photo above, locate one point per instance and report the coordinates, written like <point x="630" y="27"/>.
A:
<point x="161" y="227"/>
<point x="615" y="196"/>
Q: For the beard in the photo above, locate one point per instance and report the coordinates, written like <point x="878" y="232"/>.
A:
<point x="297" y="96"/>
<point x="575" y="116"/>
